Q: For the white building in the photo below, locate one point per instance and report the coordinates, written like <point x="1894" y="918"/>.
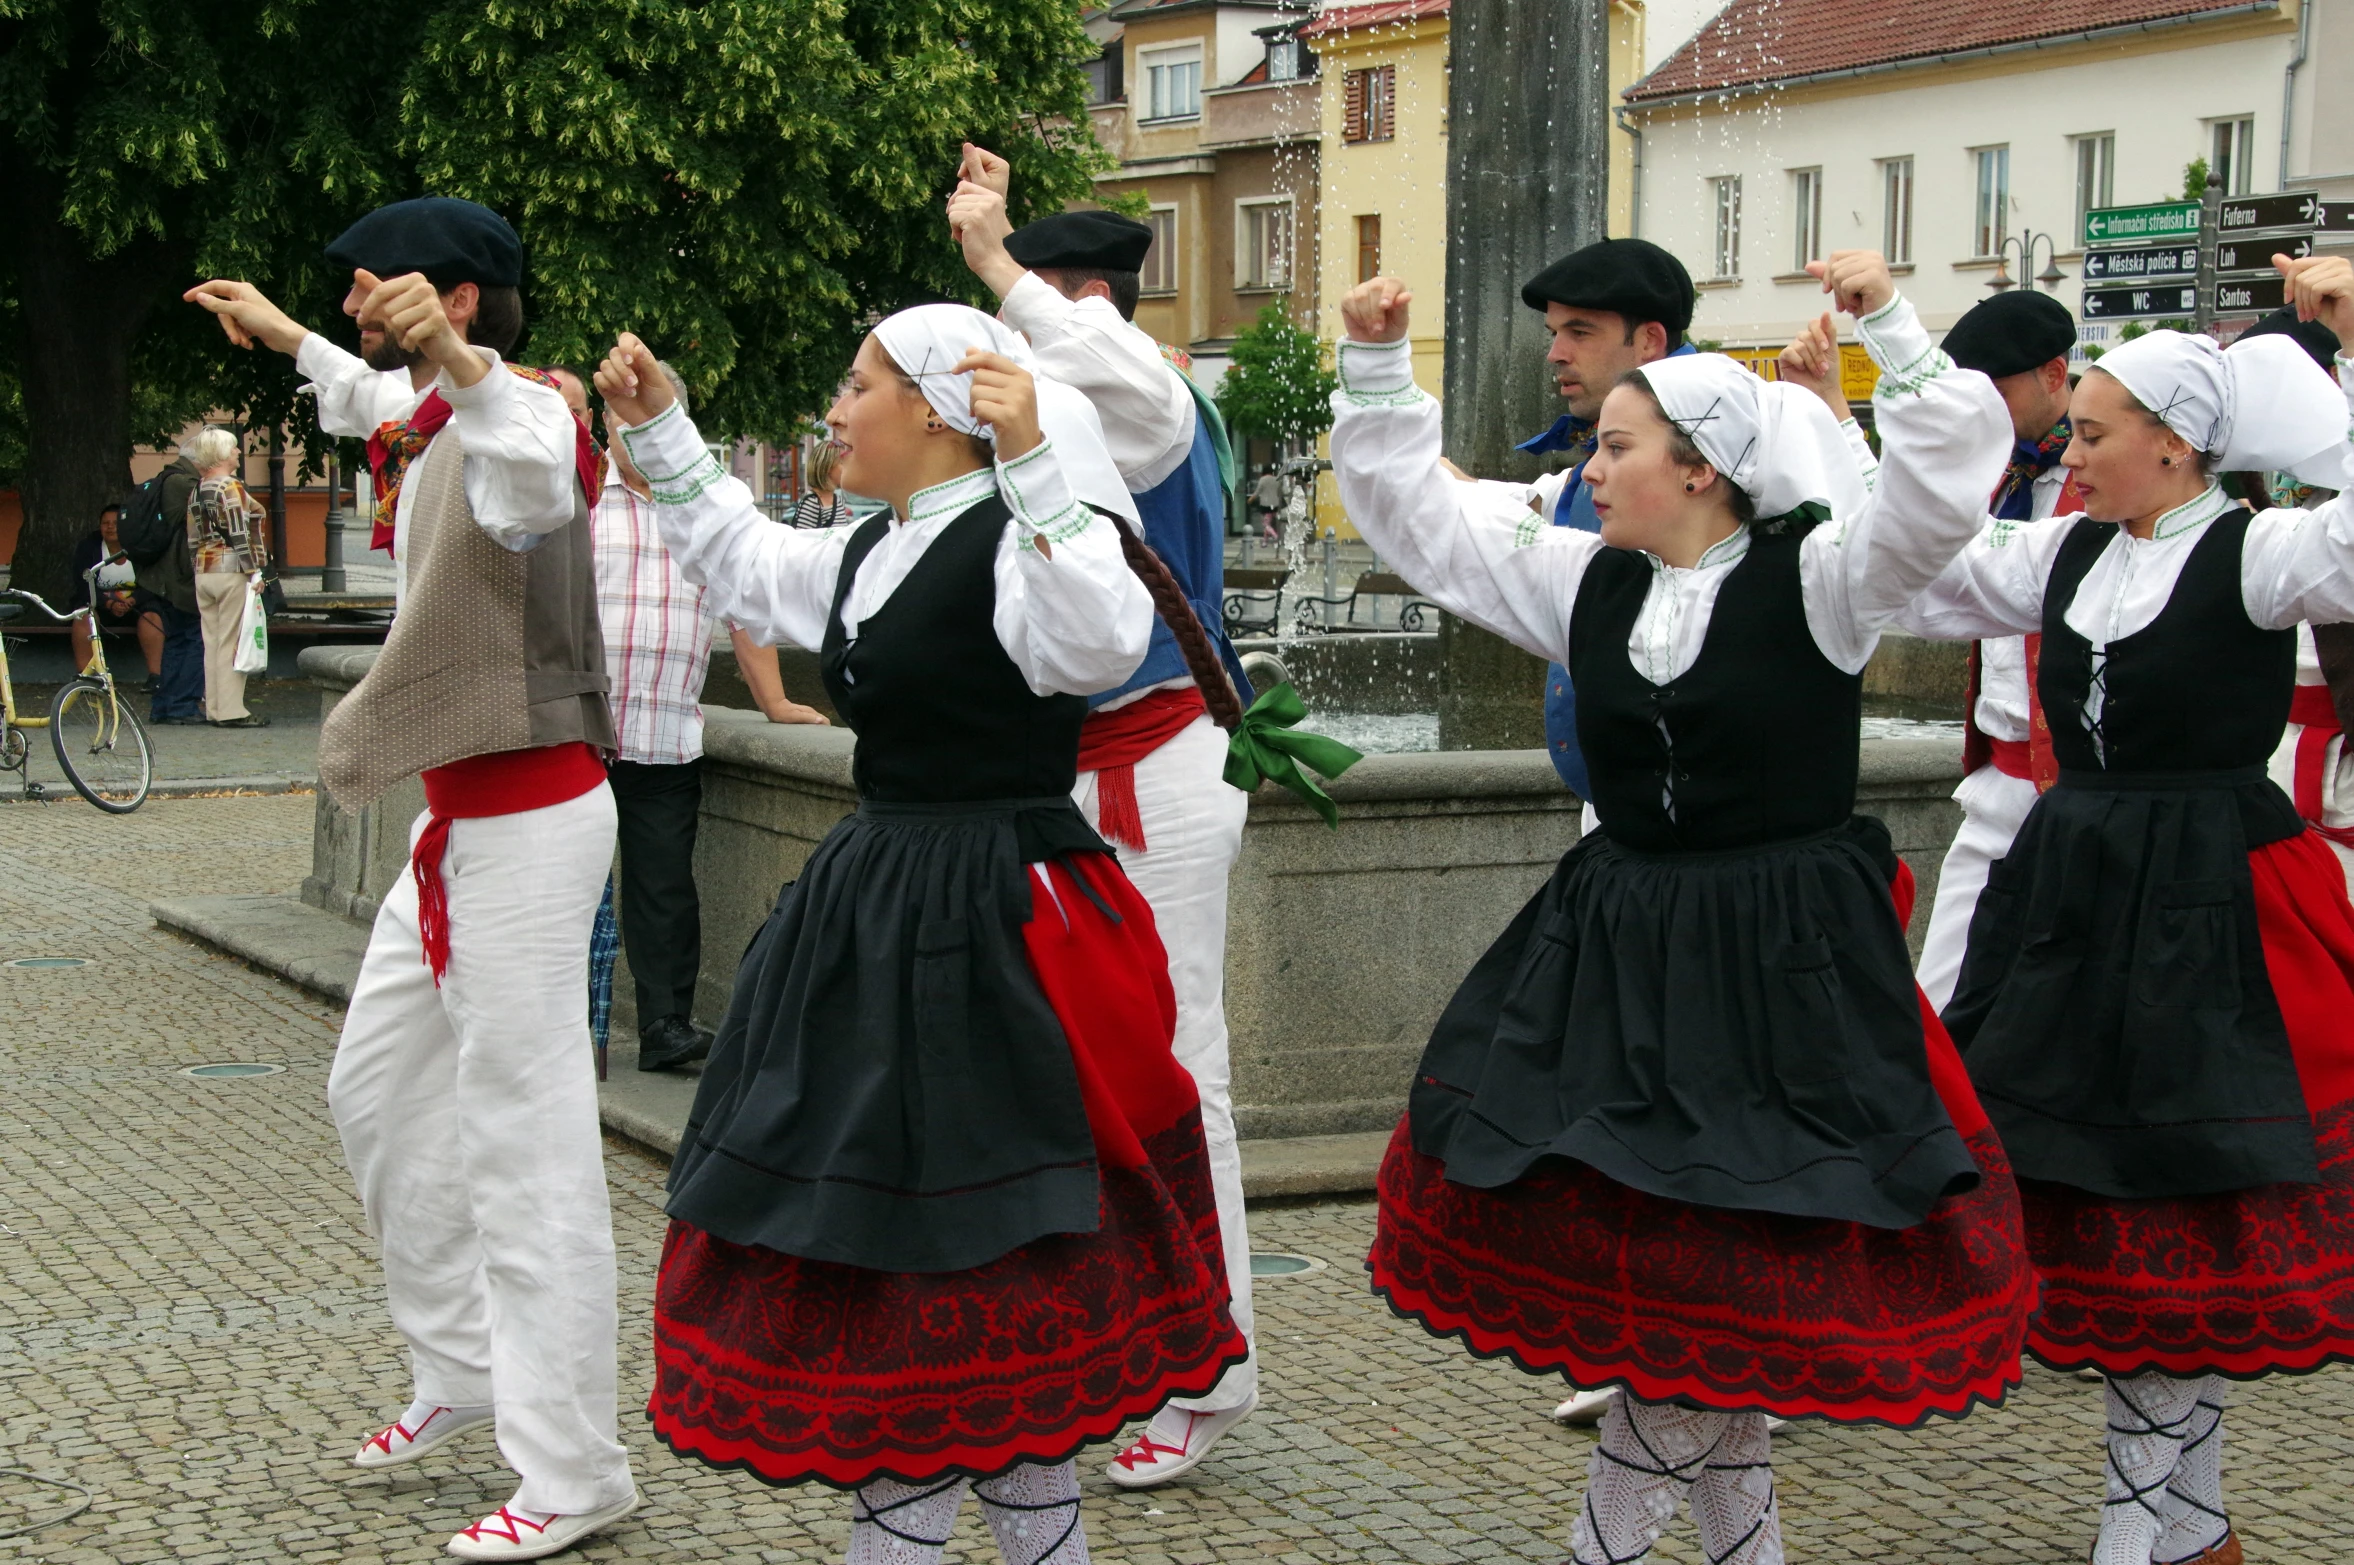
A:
<point x="1784" y="131"/>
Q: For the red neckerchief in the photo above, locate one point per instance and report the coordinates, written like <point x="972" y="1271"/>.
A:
<point x="2043" y="766"/>
<point x="396" y="444"/>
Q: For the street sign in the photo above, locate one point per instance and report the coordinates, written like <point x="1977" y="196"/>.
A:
<point x="2148" y="261"/>
<point x="2112" y="225"/>
<point x="2114" y="304"/>
<point x="2252" y="297"/>
<point x="2337" y="217"/>
<point x="2292" y="209"/>
<point x="2254" y="256"/>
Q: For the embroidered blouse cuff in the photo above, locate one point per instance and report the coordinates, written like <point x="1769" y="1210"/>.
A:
<point x="669" y="451"/>
<point x="1894" y="337"/>
<point x="1040" y="497"/>
<point x="1374" y="374"/>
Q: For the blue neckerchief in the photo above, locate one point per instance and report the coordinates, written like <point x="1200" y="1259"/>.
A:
<point x="1568" y="433"/>
<point x="2030" y="459"/>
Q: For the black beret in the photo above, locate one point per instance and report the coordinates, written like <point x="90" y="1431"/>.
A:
<point x="1093" y="241"/>
<point x="2312" y="336"/>
<point x="449" y="240"/>
<point x="2017" y="330"/>
<point x="1631" y="277"/>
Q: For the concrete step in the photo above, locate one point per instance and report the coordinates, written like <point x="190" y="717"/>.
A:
<point x="320" y="952"/>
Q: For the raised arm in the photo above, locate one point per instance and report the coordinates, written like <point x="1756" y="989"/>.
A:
<point x="518" y="435"/>
<point x="353" y="399"/>
<point x="1505" y="572"/>
<point x="2299" y="565"/>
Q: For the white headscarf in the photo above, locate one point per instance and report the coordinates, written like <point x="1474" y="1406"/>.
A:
<point x="1774" y="440"/>
<point x="928" y="341"/>
<point x="2262" y="405"/>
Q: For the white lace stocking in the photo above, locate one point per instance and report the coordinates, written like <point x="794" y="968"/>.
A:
<point x="2193" y="1506"/>
<point x="1033" y="1513"/>
<point x="893" y="1523"/>
<point x="2150" y="1417"/>
<point x="1647" y="1460"/>
<point x="1733" y="1498"/>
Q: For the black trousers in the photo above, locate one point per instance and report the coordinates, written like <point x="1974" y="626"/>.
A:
<point x="178" y="690"/>
<point x="661" y="917"/>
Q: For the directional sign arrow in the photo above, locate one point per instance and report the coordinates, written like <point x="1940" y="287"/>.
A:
<point x="2253" y="255"/>
<point x="2116" y="304"/>
<point x="2129" y="224"/>
<point x="2253" y="297"/>
<point x="2147" y="261"/>
<point x="2288" y="210"/>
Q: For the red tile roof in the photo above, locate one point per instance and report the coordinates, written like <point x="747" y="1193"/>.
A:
<point x="1754" y="42"/>
<point x="1380" y="13"/>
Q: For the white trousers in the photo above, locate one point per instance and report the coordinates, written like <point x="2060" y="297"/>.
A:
<point x="1994" y="807"/>
<point x="469" y="1119"/>
<point x="1192" y="832"/>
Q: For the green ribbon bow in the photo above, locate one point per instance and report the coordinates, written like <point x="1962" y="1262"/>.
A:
<point x="1264" y="749"/>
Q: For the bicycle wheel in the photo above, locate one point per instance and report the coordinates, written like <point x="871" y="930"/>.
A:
<point x="101" y="746"/>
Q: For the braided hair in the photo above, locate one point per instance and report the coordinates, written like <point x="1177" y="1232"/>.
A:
<point x="1169" y="601"/>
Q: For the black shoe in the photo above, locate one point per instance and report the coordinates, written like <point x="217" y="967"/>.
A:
<point x="671" y="1040"/>
<point x="191" y="721"/>
<point x="249" y="720"/>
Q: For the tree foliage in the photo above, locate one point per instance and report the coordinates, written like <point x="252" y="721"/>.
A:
<point x="1278" y="384"/>
<point x="742" y="182"/>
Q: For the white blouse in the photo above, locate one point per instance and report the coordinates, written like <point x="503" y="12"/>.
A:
<point x="1148" y="415"/>
<point x="1945" y="436"/>
<point x="1074" y="621"/>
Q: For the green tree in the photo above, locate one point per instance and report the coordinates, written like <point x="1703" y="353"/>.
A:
<point x="1278" y="384"/>
<point x="742" y="182"/>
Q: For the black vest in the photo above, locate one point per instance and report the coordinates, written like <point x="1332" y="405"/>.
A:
<point x="2198" y="689"/>
<point x="1754" y="743"/>
<point x="941" y="713"/>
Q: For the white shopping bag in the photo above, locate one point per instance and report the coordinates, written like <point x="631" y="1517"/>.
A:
<point x="253" y="630"/>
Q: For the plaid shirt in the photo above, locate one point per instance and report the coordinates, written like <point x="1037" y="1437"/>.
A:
<point x="657" y="637"/>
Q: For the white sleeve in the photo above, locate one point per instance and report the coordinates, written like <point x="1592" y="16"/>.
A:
<point x="2298" y="566"/>
<point x="1516" y="577"/>
<point x="1866" y="461"/>
<point x="1071" y="614"/>
<point x="1944" y="436"/>
<point x="353" y="399"/>
<point x="774" y="583"/>
<point x="520" y="475"/>
<point x="1148" y="415"/>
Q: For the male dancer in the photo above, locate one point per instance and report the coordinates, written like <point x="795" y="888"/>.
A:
<point x="463" y="1084"/>
<point x="1152" y="763"/>
<point x="2020" y="340"/>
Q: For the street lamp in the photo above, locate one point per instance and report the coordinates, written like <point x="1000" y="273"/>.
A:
<point x="2025" y="241"/>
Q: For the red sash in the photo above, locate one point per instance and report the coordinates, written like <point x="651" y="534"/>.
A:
<point x="2038" y="764"/>
<point x="2316" y="716"/>
<point x="505" y="782"/>
<point x="1110" y="745"/>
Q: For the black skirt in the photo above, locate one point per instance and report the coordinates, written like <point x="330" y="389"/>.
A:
<point x="1736" y="1029"/>
<point x="2114" y="1007"/>
<point x="891" y="1089"/>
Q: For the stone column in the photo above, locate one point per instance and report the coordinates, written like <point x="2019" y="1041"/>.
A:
<point x="1528" y="172"/>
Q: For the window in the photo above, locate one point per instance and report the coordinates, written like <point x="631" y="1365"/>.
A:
<point x="1728" y="225"/>
<point x="1369" y="104"/>
<point x="1288" y="60"/>
<point x="1262" y="237"/>
<point x="1173" y="83"/>
<point x="2096" y="175"/>
<point x="1896" y="210"/>
<point x="1806" y="217"/>
<point x="1992" y="223"/>
<point x="2231" y="165"/>
<point x="1159" y="274"/>
<point x="1106" y="78"/>
<point x="1368" y="247"/>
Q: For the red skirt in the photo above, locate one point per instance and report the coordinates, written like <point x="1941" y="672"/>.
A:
<point x="2246" y="1282"/>
<point x="1568" y="1271"/>
<point x="798" y="1370"/>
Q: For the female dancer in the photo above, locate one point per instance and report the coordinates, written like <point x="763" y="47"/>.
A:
<point x="942" y="1212"/>
<point x="2158" y="998"/>
<point x="1687" y="1128"/>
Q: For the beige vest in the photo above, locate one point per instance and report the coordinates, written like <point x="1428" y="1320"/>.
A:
<point x="492" y="650"/>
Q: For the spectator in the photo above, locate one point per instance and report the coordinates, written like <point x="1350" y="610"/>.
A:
<point x="573" y="388"/>
<point x="1267" y="496"/>
<point x="177" y="694"/>
<point x="821" y="506"/>
<point x="657" y="651"/>
<point x="121" y="600"/>
<point x="226" y="545"/>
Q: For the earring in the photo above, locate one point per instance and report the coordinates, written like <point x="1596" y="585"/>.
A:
<point x="1691" y="488"/>
<point x="2165" y="461"/>
<point x="934" y="425"/>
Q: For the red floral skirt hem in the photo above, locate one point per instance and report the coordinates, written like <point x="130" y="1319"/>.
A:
<point x="803" y="1371"/>
<point x="2241" y="1284"/>
<point x="1566" y="1271"/>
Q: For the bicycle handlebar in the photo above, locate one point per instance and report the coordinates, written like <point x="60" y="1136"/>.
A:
<point x="25" y="595"/>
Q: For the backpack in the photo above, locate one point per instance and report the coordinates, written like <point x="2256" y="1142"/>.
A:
<point x="145" y="532"/>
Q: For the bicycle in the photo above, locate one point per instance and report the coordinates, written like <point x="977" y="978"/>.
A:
<point x="101" y="745"/>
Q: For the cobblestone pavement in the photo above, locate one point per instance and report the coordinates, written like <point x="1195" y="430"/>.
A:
<point x="191" y="1324"/>
<point x="287" y="750"/>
